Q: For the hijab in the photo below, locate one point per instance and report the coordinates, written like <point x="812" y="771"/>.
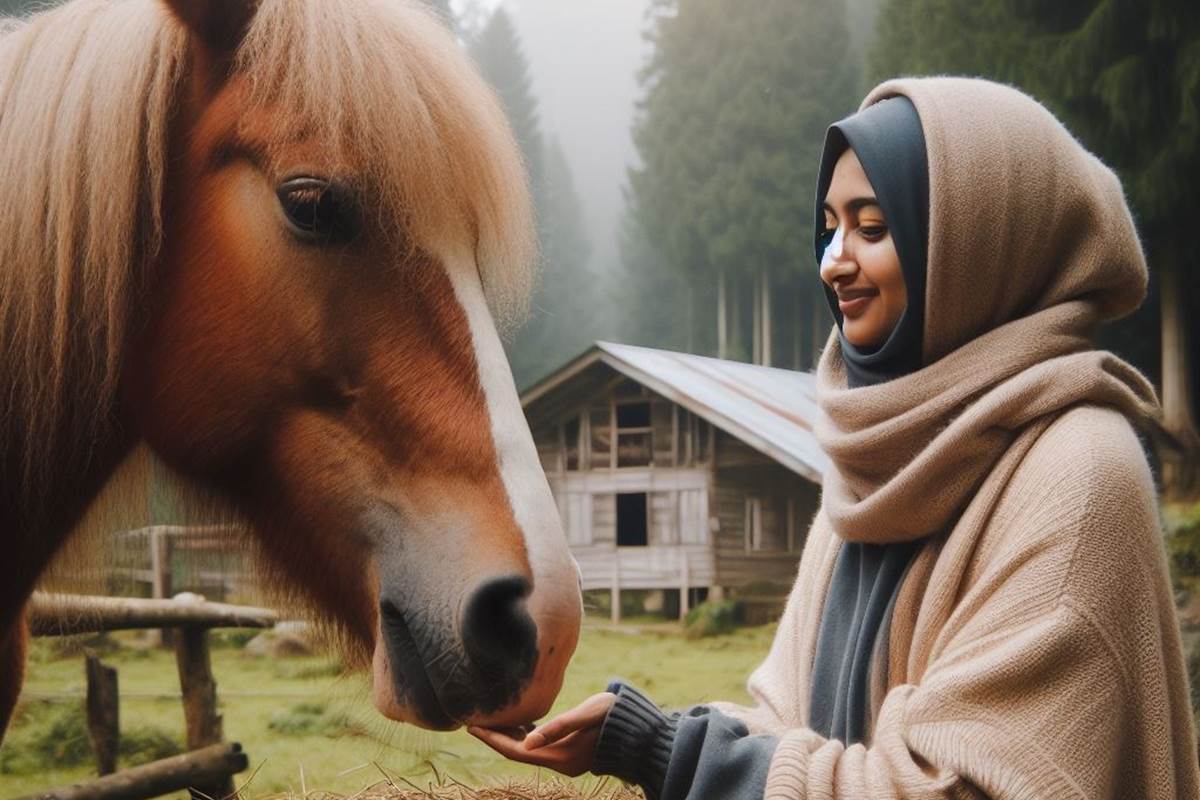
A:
<point x="890" y="145"/>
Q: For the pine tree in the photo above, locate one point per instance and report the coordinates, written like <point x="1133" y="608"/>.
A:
<point x="562" y="320"/>
<point x="21" y="8"/>
<point x="563" y="310"/>
<point x="443" y="10"/>
<point x="498" y="54"/>
<point x="1125" y="77"/>
<point x="737" y="99"/>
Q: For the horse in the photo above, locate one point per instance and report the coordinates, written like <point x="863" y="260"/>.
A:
<point x="277" y="243"/>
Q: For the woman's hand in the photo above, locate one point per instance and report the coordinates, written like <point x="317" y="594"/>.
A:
<point x="565" y="744"/>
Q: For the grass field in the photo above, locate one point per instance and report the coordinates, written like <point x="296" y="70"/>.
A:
<point x="308" y="729"/>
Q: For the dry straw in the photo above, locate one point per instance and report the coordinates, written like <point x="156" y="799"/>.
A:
<point x="450" y="789"/>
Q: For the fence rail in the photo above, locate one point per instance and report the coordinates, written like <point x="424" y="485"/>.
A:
<point x="208" y="768"/>
<point x="68" y="614"/>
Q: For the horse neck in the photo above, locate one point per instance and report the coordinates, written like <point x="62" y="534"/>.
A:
<point x="35" y="525"/>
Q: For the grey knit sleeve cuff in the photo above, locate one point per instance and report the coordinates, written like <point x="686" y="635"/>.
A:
<point x="635" y="740"/>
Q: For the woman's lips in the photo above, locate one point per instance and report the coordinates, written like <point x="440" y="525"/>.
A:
<point x="855" y="306"/>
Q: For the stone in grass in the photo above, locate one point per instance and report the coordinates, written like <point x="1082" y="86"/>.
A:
<point x="286" y="640"/>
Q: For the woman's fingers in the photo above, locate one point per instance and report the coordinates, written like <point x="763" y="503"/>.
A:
<point x="588" y="714"/>
<point x="572" y="755"/>
<point x="502" y="741"/>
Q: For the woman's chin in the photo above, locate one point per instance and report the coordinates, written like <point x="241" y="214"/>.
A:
<point x="863" y="336"/>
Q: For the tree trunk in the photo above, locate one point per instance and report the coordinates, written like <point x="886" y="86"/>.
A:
<point x="797" y="319"/>
<point x="691" y="303"/>
<point x="722" y="328"/>
<point x="756" y="332"/>
<point x="766" y="318"/>
<point x="736" y="334"/>
<point x="1181" y="465"/>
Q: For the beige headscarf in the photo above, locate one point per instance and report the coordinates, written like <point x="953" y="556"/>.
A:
<point x="1031" y="244"/>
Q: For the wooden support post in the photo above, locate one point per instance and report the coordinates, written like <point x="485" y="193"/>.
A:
<point x="684" y="579"/>
<point x="103" y="718"/>
<point x="616" y="587"/>
<point x="200" y="700"/>
<point x="213" y="765"/>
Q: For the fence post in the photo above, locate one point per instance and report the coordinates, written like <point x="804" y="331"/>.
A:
<point x="160" y="568"/>
<point x="199" y="700"/>
<point x="103" y="713"/>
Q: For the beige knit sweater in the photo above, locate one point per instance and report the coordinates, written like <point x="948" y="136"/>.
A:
<point x="1034" y="650"/>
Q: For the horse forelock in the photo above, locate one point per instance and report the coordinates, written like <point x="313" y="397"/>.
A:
<point x="385" y="84"/>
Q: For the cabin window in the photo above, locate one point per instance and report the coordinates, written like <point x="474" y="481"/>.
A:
<point x="754" y="537"/>
<point x="632" y="527"/>
<point x="766" y="529"/>
<point x="635" y="436"/>
<point x="571" y="442"/>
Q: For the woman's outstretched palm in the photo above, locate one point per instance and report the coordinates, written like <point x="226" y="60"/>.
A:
<point x="565" y="744"/>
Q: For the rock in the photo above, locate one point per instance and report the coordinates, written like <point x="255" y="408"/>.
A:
<point x="285" y="640"/>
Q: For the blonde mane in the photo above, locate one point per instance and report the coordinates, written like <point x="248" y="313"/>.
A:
<point x="86" y="98"/>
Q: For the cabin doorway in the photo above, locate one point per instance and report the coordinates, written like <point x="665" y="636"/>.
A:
<point x="632" y="522"/>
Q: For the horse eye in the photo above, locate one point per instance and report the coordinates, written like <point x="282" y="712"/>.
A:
<point x="318" y="210"/>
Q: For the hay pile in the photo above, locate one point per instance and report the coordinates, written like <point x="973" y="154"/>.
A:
<point x="551" y="789"/>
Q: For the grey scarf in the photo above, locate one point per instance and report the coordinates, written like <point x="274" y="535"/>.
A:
<point x="889" y="142"/>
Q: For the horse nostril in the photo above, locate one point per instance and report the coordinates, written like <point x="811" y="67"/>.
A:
<point x="497" y="631"/>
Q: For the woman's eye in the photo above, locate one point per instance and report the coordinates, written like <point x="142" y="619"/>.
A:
<point x="319" y="211"/>
<point x="873" y="232"/>
<point x="824" y="239"/>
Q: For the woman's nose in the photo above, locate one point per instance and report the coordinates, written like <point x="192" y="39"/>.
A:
<point x="834" y="263"/>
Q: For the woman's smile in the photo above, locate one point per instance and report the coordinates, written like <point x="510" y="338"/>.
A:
<point x="853" y="303"/>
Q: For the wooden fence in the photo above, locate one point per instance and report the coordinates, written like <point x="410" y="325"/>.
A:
<point x="207" y="769"/>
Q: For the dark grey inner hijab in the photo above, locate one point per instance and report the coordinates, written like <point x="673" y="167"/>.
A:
<point x="889" y="142"/>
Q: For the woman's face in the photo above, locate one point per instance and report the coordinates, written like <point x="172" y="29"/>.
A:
<point x="861" y="264"/>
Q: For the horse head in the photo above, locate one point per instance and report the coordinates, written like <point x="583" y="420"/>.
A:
<point x="343" y="211"/>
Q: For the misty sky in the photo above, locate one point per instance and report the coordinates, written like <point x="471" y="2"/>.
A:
<point x="584" y="56"/>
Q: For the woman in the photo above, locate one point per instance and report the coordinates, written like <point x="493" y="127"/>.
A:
<point x="982" y="608"/>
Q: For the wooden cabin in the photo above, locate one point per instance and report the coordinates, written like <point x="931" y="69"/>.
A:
<point x="679" y="472"/>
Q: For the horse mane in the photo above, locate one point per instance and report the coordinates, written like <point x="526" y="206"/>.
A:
<point x="87" y="92"/>
<point x="440" y="154"/>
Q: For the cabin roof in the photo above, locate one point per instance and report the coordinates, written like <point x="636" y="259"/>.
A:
<point x="771" y="410"/>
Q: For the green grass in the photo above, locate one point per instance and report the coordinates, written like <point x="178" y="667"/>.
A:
<point x="305" y="729"/>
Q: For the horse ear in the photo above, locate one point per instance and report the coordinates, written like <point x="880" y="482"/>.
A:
<point x="218" y="24"/>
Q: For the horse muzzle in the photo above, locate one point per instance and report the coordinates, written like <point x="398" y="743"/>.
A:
<point x="441" y="673"/>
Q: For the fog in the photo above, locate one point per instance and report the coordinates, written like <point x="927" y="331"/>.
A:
<point x="584" y="56"/>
